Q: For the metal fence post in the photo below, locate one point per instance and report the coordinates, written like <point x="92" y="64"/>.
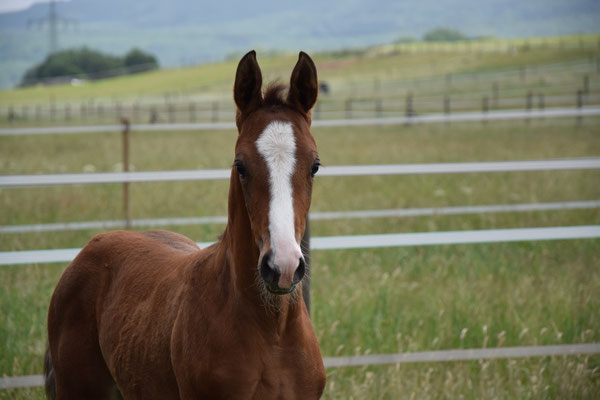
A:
<point x="579" y="106"/>
<point x="485" y="108"/>
<point x="126" y="207"/>
<point x="447" y="108"/>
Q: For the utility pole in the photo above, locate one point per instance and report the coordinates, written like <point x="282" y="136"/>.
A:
<point x="52" y="20"/>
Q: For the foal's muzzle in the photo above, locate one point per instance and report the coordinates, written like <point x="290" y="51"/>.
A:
<point x="271" y="272"/>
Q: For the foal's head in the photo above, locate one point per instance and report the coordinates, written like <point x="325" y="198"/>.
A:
<point x="276" y="159"/>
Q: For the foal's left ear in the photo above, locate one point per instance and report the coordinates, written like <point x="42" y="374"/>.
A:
<point x="304" y="85"/>
<point x="248" y="82"/>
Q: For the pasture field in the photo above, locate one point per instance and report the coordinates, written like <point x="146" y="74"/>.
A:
<point x="384" y="73"/>
<point x="364" y="301"/>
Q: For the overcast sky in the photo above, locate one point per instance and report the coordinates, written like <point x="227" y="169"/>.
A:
<point x="15" y="5"/>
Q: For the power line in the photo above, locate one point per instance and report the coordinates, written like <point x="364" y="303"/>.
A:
<point x="52" y="20"/>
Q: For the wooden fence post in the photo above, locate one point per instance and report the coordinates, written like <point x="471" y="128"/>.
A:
<point x="126" y="206"/>
<point x="586" y="84"/>
<point x="305" y="246"/>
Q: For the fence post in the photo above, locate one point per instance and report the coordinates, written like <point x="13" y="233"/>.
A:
<point x="378" y="108"/>
<point x="579" y="106"/>
<point x="541" y="104"/>
<point x="126" y="208"/>
<point x="11" y="114"/>
<point x="447" y="108"/>
<point x="171" y="110"/>
<point x="348" y="108"/>
<point x="485" y="107"/>
<point x="495" y="95"/>
<point x="215" y="111"/>
<point x="192" y="110"/>
<point x="410" y="111"/>
<point x="305" y="246"/>
<point x="318" y="110"/>
<point x="529" y="104"/>
<point x="586" y="84"/>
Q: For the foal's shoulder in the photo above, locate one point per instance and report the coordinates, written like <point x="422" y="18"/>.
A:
<point x="173" y="240"/>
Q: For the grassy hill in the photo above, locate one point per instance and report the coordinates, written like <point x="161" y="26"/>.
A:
<point x="342" y="70"/>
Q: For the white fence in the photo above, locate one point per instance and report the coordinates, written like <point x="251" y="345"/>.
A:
<point x="413" y="119"/>
<point x="313" y="216"/>
<point x="337" y="171"/>
<point x="15" y="382"/>
<point x="365" y="241"/>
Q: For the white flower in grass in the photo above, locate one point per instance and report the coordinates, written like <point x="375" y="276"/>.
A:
<point x="523" y="333"/>
<point x="89" y="168"/>
<point x="463" y="333"/>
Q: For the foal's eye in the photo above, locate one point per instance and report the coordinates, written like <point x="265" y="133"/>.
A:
<point x="315" y="167"/>
<point x="241" y="168"/>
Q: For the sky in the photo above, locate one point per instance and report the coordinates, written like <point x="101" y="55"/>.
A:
<point x="15" y="5"/>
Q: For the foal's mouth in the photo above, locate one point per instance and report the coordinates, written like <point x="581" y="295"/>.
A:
<point x="279" y="291"/>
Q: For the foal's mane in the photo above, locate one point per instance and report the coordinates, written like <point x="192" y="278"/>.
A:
<point x="275" y="95"/>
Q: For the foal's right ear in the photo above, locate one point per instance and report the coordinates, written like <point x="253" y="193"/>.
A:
<point x="248" y="84"/>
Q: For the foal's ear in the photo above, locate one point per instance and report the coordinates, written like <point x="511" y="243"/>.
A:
<point x="248" y="83"/>
<point x="304" y="85"/>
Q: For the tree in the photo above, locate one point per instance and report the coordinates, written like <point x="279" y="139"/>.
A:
<point x="89" y="64"/>
<point x="137" y="61"/>
<point x="444" y="35"/>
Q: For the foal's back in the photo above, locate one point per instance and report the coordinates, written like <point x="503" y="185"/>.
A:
<point x="118" y="289"/>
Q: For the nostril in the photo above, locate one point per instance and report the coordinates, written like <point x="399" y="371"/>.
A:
<point x="269" y="271"/>
<point x="300" y="271"/>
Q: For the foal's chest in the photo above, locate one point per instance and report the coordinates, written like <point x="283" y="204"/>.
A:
<point x="296" y="379"/>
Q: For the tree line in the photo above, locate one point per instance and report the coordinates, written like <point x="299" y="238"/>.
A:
<point x="85" y="63"/>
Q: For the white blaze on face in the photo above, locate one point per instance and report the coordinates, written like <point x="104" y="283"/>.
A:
<point x="277" y="145"/>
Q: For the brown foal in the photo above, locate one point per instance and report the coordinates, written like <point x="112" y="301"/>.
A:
<point x="151" y="315"/>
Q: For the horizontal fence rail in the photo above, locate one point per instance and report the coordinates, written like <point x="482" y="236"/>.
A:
<point x="364" y="241"/>
<point x="313" y="216"/>
<point x="463" y="355"/>
<point x="15" y="382"/>
<point x="353" y="170"/>
<point x="426" y="118"/>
